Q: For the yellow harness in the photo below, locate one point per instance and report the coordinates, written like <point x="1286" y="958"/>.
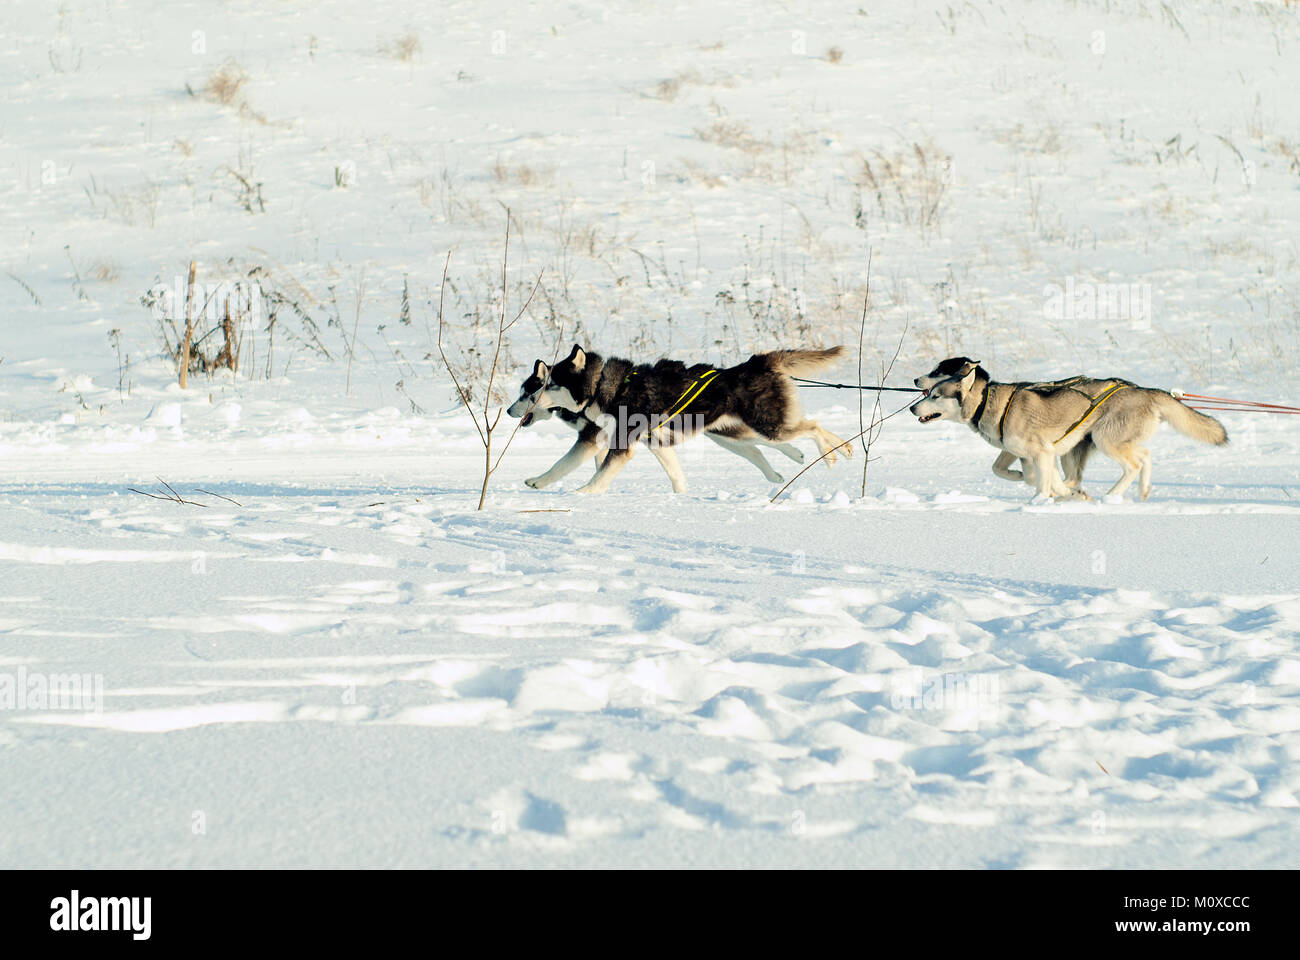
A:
<point x="686" y="399"/>
<point x="1105" y="395"/>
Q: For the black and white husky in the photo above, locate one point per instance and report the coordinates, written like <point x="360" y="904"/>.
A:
<point x="533" y="406"/>
<point x="622" y="404"/>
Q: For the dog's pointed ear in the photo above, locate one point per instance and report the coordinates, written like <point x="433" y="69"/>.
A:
<point x="968" y="378"/>
<point x="968" y="367"/>
<point x="578" y="357"/>
<point x="540" y="370"/>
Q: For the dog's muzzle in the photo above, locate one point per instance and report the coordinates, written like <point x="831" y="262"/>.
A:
<point x="923" y="417"/>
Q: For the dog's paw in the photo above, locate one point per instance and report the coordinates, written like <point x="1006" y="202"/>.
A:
<point x="532" y="482"/>
<point x="848" y="450"/>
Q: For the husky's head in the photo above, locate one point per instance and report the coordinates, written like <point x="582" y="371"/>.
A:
<point x="569" y="382"/>
<point x="944" y="400"/>
<point x="534" y="401"/>
<point x="945" y="370"/>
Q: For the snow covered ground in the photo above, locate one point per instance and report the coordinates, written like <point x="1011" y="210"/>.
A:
<point x="336" y="660"/>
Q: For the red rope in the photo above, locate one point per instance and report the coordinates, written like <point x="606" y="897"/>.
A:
<point x="1241" y="403"/>
<point x="1285" y="413"/>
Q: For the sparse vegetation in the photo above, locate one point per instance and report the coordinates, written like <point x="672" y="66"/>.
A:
<point x="225" y="83"/>
<point x="404" y="48"/>
<point x="909" y="186"/>
<point x="523" y="174"/>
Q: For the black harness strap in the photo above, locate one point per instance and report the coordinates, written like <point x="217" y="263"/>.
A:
<point x="1002" y="420"/>
<point x="979" y="411"/>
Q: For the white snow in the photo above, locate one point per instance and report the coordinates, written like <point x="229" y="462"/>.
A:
<point x="331" y="658"/>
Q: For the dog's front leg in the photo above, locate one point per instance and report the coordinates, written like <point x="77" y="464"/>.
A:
<point x="668" y="460"/>
<point x="615" y="461"/>
<point x="582" y="448"/>
<point x="1046" y="479"/>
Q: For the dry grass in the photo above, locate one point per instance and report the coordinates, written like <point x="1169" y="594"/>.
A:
<point x="523" y="175"/>
<point x="1288" y="151"/>
<point x="910" y="185"/>
<point x="701" y="176"/>
<point x="734" y="134"/>
<point x="105" y="270"/>
<point x="225" y="83"/>
<point x="404" y="48"/>
<point x="834" y="55"/>
<point x="668" y="90"/>
<point x="138" y="207"/>
<point x="1044" y="136"/>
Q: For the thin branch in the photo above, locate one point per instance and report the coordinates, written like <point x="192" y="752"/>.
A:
<point x="220" y="497"/>
<point x="875" y="410"/>
<point x="460" y="392"/>
<point x="836" y="447"/>
<point x="559" y="339"/>
<point x="862" y="329"/>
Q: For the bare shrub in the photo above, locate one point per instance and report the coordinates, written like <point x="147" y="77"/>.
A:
<point x="834" y="55"/>
<point x="484" y="423"/>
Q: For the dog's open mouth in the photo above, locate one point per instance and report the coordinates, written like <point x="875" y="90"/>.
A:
<point x="528" y="418"/>
<point x="928" y="417"/>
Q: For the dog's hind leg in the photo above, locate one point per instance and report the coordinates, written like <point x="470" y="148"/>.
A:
<point x="1144" y="483"/>
<point x="826" y="441"/>
<point x="579" y="452"/>
<point x="1001" y="467"/>
<point x="1072" y="463"/>
<point x="746" y="449"/>
<point x="672" y="466"/>
<point x="1127" y="455"/>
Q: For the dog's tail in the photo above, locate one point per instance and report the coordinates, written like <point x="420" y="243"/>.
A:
<point x="1189" y="422"/>
<point x="795" y="362"/>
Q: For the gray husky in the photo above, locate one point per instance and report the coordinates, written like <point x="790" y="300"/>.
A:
<point x="1039" y="425"/>
<point x="1072" y="461"/>
<point x="535" y="406"/>
<point x="664" y="403"/>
